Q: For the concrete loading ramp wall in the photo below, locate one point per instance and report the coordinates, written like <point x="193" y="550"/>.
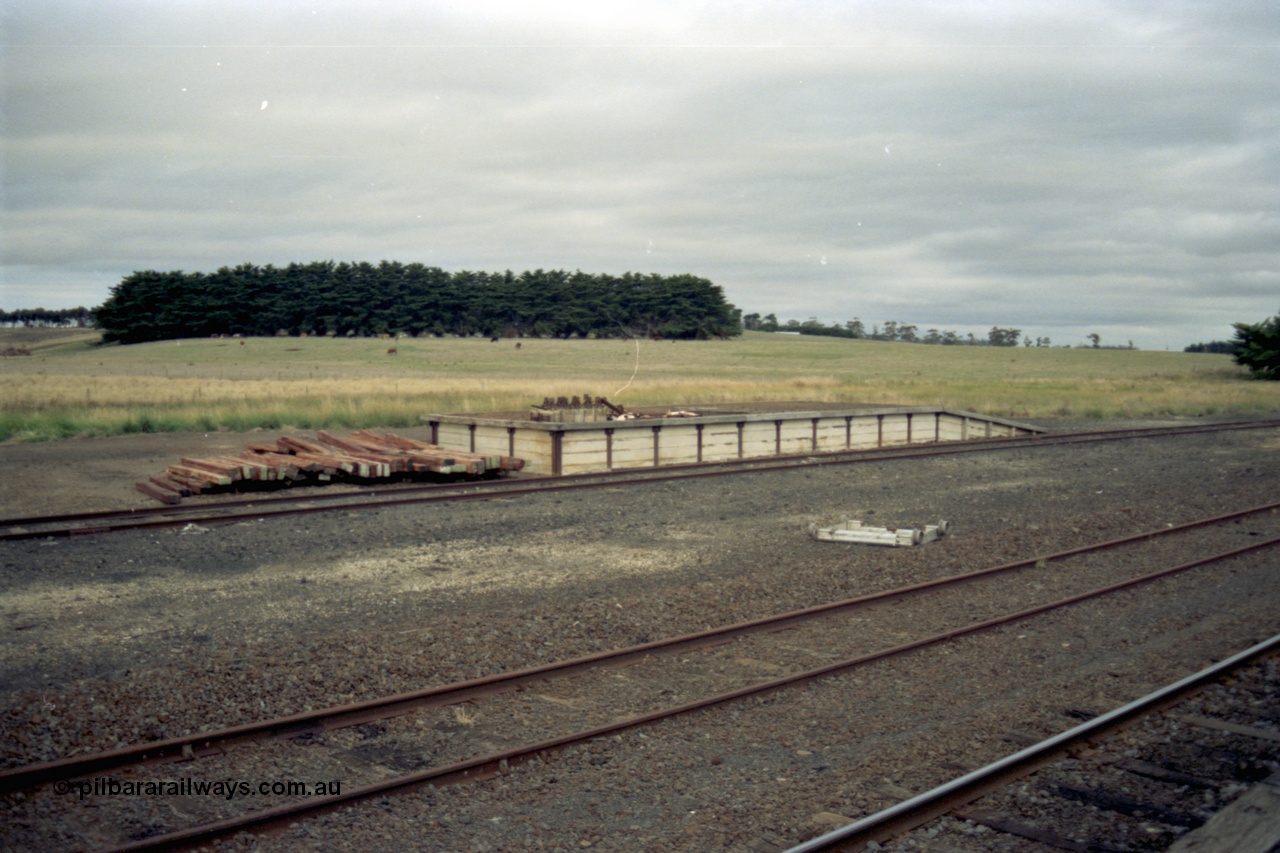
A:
<point x="553" y="449"/>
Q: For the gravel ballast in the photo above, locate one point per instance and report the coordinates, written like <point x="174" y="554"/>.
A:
<point x="114" y="639"/>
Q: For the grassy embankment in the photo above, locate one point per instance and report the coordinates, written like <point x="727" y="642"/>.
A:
<point x="68" y="386"/>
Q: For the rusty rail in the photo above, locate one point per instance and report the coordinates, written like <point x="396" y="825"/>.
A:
<point x="488" y="766"/>
<point x="918" y="810"/>
<point x="252" y="509"/>
<point x="206" y="743"/>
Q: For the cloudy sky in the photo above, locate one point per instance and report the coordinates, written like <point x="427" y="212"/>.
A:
<point x="1064" y="168"/>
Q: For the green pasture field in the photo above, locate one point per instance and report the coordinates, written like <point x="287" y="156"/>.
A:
<point x="72" y="386"/>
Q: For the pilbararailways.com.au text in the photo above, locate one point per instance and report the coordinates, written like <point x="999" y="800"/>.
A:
<point x="107" y="786"/>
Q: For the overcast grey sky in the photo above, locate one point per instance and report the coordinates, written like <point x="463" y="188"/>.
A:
<point x="1108" y="167"/>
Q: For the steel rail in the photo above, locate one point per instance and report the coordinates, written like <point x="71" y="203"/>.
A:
<point x="854" y="455"/>
<point x="910" y="813"/>
<point x="252" y="509"/>
<point x="142" y="518"/>
<point x="216" y="742"/>
<point x="498" y="763"/>
<point x="375" y="709"/>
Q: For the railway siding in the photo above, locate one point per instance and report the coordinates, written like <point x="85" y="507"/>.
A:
<point x="103" y="644"/>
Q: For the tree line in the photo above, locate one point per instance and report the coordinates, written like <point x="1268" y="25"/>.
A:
<point x="1219" y="347"/>
<point x="57" y="317"/>
<point x="891" y="330"/>
<point x="363" y="299"/>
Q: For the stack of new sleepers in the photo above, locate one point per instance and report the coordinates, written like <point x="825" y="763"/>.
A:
<point x="363" y="456"/>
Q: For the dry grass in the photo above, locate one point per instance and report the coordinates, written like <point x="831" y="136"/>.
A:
<point x="71" y="387"/>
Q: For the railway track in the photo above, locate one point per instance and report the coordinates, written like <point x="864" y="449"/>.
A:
<point x="584" y="699"/>
<point x="262" y="506"/>
<point x="1190" y="750"/>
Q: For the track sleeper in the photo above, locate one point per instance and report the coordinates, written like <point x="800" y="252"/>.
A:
<point x="1162" y="774"/>
<point x="1224" y="726"/>
<point x="1008" y="826"/>
<point x="1110" y="802"/>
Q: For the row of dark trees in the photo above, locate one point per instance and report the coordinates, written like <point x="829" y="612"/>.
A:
<point x="890" y="331"/>
<point x="57" y="317"/>
<point x="1219" y="347"/>
<point x="363" y="299"/>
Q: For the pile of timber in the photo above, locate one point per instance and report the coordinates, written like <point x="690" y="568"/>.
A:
<point x="363" y="457"/>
